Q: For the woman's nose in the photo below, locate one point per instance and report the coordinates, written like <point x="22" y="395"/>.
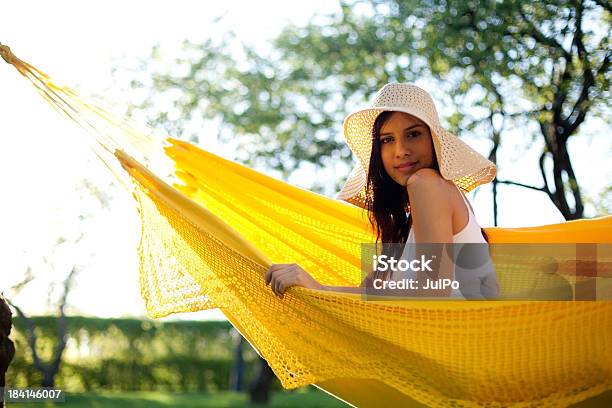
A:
<point x="402" y="148"/>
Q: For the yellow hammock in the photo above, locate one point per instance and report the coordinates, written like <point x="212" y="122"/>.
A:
<point x="208" y="239"/>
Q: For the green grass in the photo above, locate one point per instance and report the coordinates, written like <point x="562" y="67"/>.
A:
<point x="309" y="399"/>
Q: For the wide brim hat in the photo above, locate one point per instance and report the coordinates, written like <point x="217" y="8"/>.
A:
<point x="457" y="161"/>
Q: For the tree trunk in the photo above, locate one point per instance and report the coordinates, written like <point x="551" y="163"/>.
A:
<point x="50" y="370"/>
<point x="496" y="139"/>
<point x="237" y="375"/>
<point x="48" y="379"/>
<point x="259" y="389"/>
<point x="556" y="143"/>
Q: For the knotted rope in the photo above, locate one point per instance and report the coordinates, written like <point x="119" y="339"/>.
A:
<point x="7" y="54"/>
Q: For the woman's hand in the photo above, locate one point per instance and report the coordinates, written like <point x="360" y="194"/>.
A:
<point x="282" y="276"/>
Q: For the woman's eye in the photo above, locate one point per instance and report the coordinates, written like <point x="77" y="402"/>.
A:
<point x="413" y="134"/>
<point x="385" y="140"/>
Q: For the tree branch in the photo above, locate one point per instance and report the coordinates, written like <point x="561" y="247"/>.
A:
<point x="573" y="183"/>
<point x="566" y="77"/>
<point x="540" y="37"/>
<point x="589" y="81"/>
<point x="581" y="104"/>
<point x="530" y="113"/>
<point x="515" y="183"/>
<point x="61" y="324"/>
<point x="605" y="4"/>
<point x="543" y="173"/>
<point x="51" y="368"/>
<point x="27" y="278"/>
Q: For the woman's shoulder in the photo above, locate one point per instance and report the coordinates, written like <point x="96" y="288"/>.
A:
<point x="424" y="175"/>
<point x="432" y="180"/>
<point x="430" y="183"/>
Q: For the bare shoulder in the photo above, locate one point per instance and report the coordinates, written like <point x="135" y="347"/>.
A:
<point x="428" y="179"/>
<point x="423" y="175"/>
<point x="429" y="183"/>
<point x="431" y="206"/>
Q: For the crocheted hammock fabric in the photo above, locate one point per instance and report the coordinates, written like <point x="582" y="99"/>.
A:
<point x="209" y="235"/>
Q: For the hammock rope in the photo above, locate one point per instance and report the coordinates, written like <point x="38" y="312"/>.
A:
<point x="212" y="228"/>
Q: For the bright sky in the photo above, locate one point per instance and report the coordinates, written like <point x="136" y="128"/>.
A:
<point x="43" y="159"/>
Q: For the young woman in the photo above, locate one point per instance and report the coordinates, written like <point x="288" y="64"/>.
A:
<point x="412" y="190"/>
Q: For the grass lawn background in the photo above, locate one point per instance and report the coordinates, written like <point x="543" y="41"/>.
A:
<point x="309" y="399"/>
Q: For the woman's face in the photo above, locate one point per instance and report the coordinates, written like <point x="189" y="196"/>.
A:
<point x="405" y="146"/>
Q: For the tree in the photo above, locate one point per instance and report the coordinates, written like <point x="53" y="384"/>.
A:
<point x="561" y="66"/>
<point x="237" y="373"/>
<point x="259" y="388"/>
<point x="546" y="63"/>
<point x="496" y="48"/>
<point x="48" y="369"/>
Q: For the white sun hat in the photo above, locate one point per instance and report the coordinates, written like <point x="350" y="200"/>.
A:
<point x="458" y="162"/>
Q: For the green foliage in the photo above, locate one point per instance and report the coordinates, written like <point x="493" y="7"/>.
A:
<point x="602" y="202"/>
<point x="524" y="60"/>
<point x="131" y="354"/>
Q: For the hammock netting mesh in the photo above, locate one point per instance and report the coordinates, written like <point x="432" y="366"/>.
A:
<point x="210" y="232"/>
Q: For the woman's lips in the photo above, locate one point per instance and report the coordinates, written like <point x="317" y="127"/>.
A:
<point x="406" y="166"/>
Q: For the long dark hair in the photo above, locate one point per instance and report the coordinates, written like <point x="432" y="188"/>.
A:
<point x="387" y="201"/>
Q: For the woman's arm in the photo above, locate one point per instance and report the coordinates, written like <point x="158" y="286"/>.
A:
<point x="430" y="207"/>
<point x="282" y="276"/>
<point x="432" y="212"/>
<point x="345" y="289"/>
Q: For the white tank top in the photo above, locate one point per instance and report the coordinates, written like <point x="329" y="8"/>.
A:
<point x="473" y="267"/>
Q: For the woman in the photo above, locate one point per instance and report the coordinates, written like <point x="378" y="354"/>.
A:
<point x="412" y="191"/>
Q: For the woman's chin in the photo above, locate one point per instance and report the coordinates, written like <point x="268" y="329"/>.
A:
<point x="402" y="179"/>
